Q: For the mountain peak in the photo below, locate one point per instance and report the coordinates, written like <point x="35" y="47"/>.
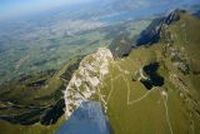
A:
<point x="152" y="33"/>
<point x="173" y="16"/>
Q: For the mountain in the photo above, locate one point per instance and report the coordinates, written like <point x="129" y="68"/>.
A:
<point x="153" y="89"/>
<point x="152" y="33"/>
<point x="122" y="45"/>
<point x="148" y="83"/>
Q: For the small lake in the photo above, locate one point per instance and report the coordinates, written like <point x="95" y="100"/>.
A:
<point x="89" y="118"/>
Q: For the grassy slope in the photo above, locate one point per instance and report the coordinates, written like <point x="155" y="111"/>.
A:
<point x="148" y="115"/>
<point x="8" y="128"/>
<point x="47" y="95"/>
<point x="189" y="38"/>
<point x="155" y="113"/>
<point x="50" y="96"/>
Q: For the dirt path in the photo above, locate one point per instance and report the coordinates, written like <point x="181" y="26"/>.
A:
<point x="163" y="94"/>
<point x="112" y="89"/>
<point x="164" y="97"/>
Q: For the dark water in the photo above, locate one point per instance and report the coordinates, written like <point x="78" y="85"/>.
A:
<point x="154" y="78"/>
<point x="89" y="118"/>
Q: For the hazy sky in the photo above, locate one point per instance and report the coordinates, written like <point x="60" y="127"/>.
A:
<point x="9" y="8"/>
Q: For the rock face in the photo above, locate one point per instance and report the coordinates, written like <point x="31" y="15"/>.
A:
<point x="152" y="33"/>
<point x="86" y="79"/>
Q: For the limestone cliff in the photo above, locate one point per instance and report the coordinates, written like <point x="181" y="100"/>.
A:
<point x="86" y="79"/>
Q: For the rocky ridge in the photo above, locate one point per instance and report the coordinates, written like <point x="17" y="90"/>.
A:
<point x="152" y="33"/>
<point x="86" y="79"/>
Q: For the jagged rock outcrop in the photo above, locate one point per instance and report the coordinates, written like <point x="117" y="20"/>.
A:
<point x="122" y="45"/>
<point x="152" y="33"/>
<point x="86" y="79"/>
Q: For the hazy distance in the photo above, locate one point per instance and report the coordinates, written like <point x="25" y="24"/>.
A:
<point x="14" y="8"/>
